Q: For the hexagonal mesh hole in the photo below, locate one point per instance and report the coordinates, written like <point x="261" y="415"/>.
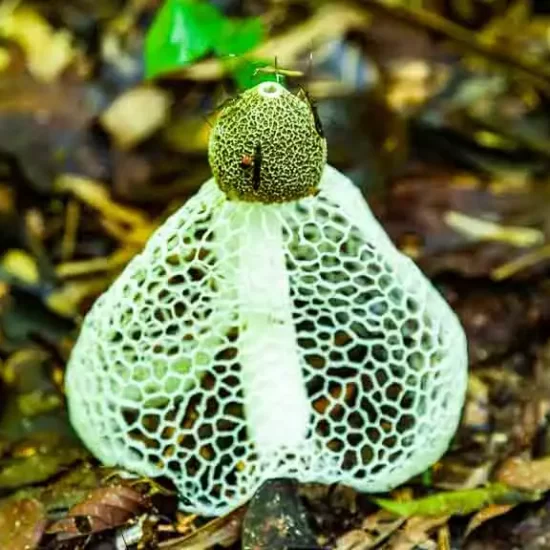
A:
<point x="155" y="381"/>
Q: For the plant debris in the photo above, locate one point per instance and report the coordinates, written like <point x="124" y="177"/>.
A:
<point x="103" y="508"/>
<point x="22" y="524"/>
<point x="438" y="113"/>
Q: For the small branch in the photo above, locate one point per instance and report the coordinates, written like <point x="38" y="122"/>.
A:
<point x="523" y="262"/>
<point x="536" y="73"/>
<point x="478" y="229"/>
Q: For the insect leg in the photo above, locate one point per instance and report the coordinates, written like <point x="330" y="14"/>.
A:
<point x="257" y="167"/>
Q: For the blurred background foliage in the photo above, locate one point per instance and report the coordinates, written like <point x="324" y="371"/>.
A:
<point x="437" y="109"/>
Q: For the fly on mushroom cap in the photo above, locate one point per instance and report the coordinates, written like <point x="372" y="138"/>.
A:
<point x="251" y="341"/>
<point x="265" y="146"/>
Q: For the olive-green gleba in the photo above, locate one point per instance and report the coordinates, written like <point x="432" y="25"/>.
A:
<point x="269" y="329"/>
<point x="267" y="147"/>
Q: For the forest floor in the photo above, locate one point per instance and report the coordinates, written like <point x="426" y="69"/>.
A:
<point x="439" y="114"/>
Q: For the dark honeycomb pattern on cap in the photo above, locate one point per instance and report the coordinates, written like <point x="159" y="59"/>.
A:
<point x="293" y="154"/>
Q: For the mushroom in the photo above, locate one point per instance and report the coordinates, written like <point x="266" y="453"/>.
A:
<point x="269" y="329"/>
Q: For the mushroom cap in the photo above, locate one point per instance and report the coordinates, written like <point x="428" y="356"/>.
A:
<point x="155" y="381"/>
<point x="291" y="154"/>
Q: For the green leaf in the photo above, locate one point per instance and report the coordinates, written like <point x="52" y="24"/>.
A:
<point x="239" y="36"/>
<point x="182" y="32"/>
<point x="427" y="478"/>
<point x="457" y="502"/>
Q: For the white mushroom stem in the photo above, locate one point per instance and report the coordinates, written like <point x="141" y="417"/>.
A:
<point x="275" y="398"/>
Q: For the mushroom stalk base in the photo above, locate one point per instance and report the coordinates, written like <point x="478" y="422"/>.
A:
<point x="275" y="398"/>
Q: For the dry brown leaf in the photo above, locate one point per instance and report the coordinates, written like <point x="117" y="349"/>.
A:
<point x="528" y="475"/>
<point x="224" y="531"/>
<point x="49" y="52"/>
<point x="96" y="196"/>
<point x="417" y="530"/>
<point x="486" y="514"/>
<point x="102" y="509"/>
<point x="356" y="539"/>
<point x="375" y="529"/>
<point x="22" y="524"/>
<point x="136" y="115"/>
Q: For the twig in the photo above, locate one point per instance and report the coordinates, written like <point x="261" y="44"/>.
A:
<point x="523" y="262"/>
<point x="534" y="72"/>
<point x="479" y="229"/>
<point x="86" y="267"/>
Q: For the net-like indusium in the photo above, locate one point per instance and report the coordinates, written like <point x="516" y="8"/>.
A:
<point x="250" y="341"/>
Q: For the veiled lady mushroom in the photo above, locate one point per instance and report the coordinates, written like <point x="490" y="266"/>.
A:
<point x="269" y="329"/>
